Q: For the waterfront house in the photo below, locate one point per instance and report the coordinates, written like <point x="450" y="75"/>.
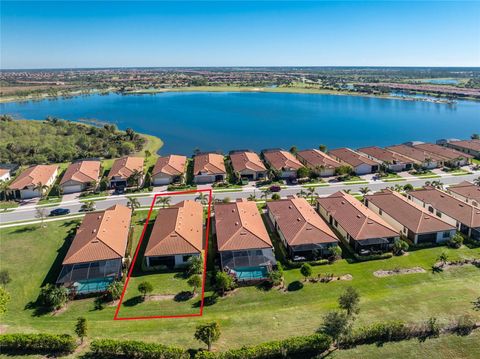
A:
<point x="30" y="182"/>
<point x="422" y="158"/>
<point x="96" y="254"/>
<point x="471" y="147"/>
<point x="283" y="162"/>
<point x="169" y="169"/>
<point x="319" y="162"/>
<point x="361" y="164"/>
<point x="243" y="243"/>
<point x="301" y="230"/>
<point x="464" y="216"/>
<point x="363" y="229"/>
<point x="120" y="175"/>
<point x="247" y="165"/>
<point x="466" y="191"/>
<point x="453" y="158"/>
<point x="392" y="161"/>
<point x="410" y="219"/>
<point x="209" y="168"/>
<point x="80" y="175"/>
<point x="177" y="235"/>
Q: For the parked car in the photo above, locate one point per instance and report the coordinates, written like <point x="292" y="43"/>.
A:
<point x="59" y="212"/>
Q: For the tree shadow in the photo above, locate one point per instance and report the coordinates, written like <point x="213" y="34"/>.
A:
<point x="133" y="301"/>
<point x="183" y="296"/>
<point x="25" y="229"/>
<point x="294" y="286"/>
<point x="207" y="302"/>
<point x="265" y="286"/>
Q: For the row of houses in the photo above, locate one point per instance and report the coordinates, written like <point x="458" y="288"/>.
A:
<point x="245" y="250"/>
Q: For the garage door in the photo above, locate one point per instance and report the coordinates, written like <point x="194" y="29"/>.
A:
<point x="72" y="189"/>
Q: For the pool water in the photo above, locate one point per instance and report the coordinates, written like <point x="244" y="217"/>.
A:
<point x="251" y="273"/>
<point x="94" y="285"/>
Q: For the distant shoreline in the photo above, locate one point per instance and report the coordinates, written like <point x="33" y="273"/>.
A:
<point x="292" y="90"/>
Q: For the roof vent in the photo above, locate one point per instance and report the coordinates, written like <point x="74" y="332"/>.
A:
<point x="426" y="217"/>
<point x="290" y="206"/>
<point x="359" y="216"/>
<point x="369" y="222"/>
<point x="343" y="202"/>
<point x="243" y="233"/>
<point x="236" y="223"/>
<point x="94" y="230"/>
<point x="173" y="235"/>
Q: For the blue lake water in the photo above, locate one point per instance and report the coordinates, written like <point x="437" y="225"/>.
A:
<point x="226" y="121"/>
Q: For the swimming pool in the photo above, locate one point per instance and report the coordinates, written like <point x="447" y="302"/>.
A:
<point x="93" y="285"/>
<point x="251" y="273"/>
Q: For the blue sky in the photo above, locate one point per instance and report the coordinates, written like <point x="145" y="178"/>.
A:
<point x="109" y="34"/>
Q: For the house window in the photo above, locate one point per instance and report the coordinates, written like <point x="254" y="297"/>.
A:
<point x="439" y="214"/>
<point x="446" y="234"/>
<point x="335" y="223"/>
<point x="380" y="212"/>
<point x="430" y="209"/>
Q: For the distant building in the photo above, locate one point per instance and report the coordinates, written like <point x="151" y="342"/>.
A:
<point x="283" y="162"/>
<point x="452" y="157"/>
<point x="422" y="158"/>
<point x="466" y="191"/>
<point x="471" y="147"/>
<point x="318" y="161"/>
<point x="391" y="160"/>
<point x="360" y="163"/>
<point x="27" y="184"/>
<point x="169" y="169"/>
<point x="122" y="169"/>
<point x="209" y="168"/>
<point x="248" y="165"/>
<point x="80" y="175"/>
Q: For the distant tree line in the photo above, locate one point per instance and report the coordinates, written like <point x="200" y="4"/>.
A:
<point x="54" y="140"/>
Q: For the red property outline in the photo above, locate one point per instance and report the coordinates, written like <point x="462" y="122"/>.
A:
<point x="207" y="231"/>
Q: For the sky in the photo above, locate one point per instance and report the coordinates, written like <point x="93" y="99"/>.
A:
<point x="78" y="34"/>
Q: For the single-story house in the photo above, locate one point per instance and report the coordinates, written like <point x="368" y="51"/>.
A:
<point x="302" y="231"/>
<point x="177" y="235"/>
<point x="361" y="164"/>
<point x="209" y="168"/>
<point x="452" y="157"/>
<point x="466" y="191"/>
<point x="80" y="175"/>
<point x="97" y="252"/>
<point x="363" y="229"/>
<point x="394" y="162"/>
<point x="422" y="158"/>
<point x="471" y="147"/>
<point x="318" y="161"/>
<point x="169" y="169"/>
<point x="245" y="248"/>
<point x="27" y="184"/>
<point x="5" y="174"/>
<point x="464" y="216"/>
<point x="248" y="165"/>
<point x="122" y="169"/>
<point x="410" y="219"/>
<point x="282" y="161"/>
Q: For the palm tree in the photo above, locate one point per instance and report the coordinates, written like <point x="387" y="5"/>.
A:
<point x="202" y="197"/>
<point x="313" y="194"/>
<point x="135" y="178"/>
<point x="132" y="203"/>
<point x="347" y="191"/>
<point x="265" y="193"/>
<point x="252" y="197"/>
<point x="364" y="190"/>
<point x="302" y="194"/>
<point x="437" y="184"/>
<point x="93" y="185"/>
<point x="4" y="189"/>
<point x="164" y="200"/>
<point x="88" y="206"/>
<point x="477" y="181"/>
<point x="42" y="188"/>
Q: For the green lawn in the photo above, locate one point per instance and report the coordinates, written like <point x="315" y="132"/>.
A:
<point x="8" y="204"/>
<point x="427" y="174"/>
<point x="52" y="201"/>
<point x="33" y="256"/>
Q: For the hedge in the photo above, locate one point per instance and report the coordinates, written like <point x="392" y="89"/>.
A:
<point x="295" y="265"/>
<point x="296" y="347"/>
<point x="373" y="257"/>
<point x="380" y="333"/>
<point x="109" y="348"/>
<point x="37" y="343"/>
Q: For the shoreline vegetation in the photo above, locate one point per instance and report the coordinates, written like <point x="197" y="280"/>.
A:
<point x="254" y="89"/>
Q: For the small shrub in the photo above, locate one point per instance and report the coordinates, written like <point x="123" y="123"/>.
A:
<point x="456" y="241"/>
<point x="109" y="348"/>
<point x="37" y="343"/>
<point x="464" y="325"/>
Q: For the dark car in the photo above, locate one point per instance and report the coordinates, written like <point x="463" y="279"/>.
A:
<point x="59" y="212"/>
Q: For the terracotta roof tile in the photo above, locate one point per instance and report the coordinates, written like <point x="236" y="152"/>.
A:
<point x="468" y="144"/>
<point x="172" y="165"/>
<point x="177" y="230"/>
<point x="280" y="160"/>
<point x="357" y="219"/>
<point x="299" y="222"/>
<point x="383" y="155"/>
<point x="445" y="152"/>
<point x="239" y="226"/>
<point x="34" y="175"/>
<point x="467" y="190"/>
<point x="124" y="167"/>
<point x="351" y="157"/>
<point x="414" y="153"/>
<point x="101" y="236"/>
<point x="315" y="158"/>
<point x="82" y="171"/>
<point x="409" y="214"/>
<point x="210" y="163"/>
<point x="246" y="160"/>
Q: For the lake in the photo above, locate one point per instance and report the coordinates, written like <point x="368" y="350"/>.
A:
<point x="224" y="121"/>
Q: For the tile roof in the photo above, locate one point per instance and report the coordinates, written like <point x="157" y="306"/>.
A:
<point x="315" y="158"/>
<point x="33" y="176"/>
<point x="384" y="155"/>
<point x="351" y="157"/>
<point x="172" y="165"/>
<point x="409" y="214"/>
<point x="4" y="171"/>
<point x="445" y="152"/>
<point x="210" y="163"/>
<point x="101" y="236"/>
<point x="82" y="171"/>
<point x="462" y="212"/>
<point x="177" y="230"/>
<point x="414" y="153"/>
<point x="467" y="190"/>
<point x="280" y="160"/>
<point x="124" y="167"/>
<point x="469" y="144"/>
<point x="299" y="222"/>
<point x="358" y="220"/>
<point x="239" y="226"/>
<point x="246" y="160"/>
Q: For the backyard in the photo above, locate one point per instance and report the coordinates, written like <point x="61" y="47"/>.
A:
<point x="246" y="311"/>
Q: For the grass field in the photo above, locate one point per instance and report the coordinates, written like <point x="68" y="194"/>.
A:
<point x="33" y="257"/>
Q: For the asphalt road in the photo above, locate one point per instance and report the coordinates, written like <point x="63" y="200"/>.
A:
<point x="30" y="213"/>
